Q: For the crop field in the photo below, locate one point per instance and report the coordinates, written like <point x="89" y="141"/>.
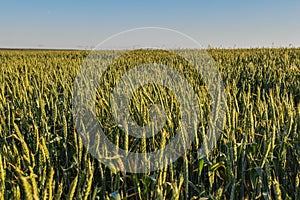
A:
<point x="257" y="155"/>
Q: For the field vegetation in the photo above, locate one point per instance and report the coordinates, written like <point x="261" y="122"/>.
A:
<point x="256" y="157"/>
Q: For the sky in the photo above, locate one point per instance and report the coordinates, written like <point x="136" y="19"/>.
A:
<point x="85" y="24"/>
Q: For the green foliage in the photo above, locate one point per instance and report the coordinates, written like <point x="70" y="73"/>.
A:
<point x="257" y="155"/>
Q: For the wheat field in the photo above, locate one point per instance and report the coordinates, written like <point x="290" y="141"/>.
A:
<point x="256" y="157"/>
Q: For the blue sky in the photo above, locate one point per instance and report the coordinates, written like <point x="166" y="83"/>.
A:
<point x="73" y="24"/>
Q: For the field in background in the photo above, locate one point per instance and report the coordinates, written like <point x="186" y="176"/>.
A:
<point x="257" y="155"/>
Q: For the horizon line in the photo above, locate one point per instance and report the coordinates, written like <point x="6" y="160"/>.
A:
<point x="115" y="49"/>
